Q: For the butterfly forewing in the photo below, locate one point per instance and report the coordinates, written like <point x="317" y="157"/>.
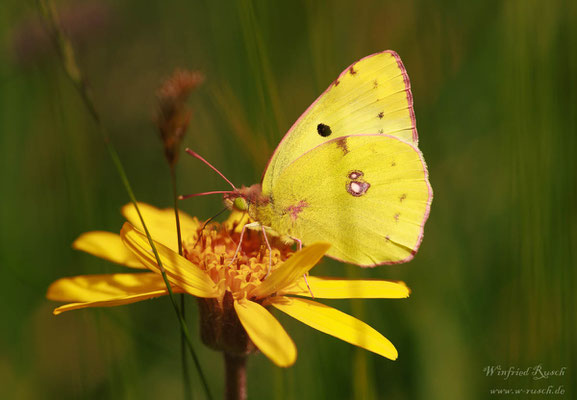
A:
<point x="368" y="195"/>
<point x="372" y="96"/>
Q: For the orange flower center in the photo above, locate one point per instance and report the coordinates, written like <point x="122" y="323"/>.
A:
<point x="214" y="248"/>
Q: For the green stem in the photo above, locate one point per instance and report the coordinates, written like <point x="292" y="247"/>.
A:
<point x="74" y="73"/>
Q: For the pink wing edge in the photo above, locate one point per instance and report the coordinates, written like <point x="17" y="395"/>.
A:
<point x="408" y="92"/>
<point x="427" y="210"/>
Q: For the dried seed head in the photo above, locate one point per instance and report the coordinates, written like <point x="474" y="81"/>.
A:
<point x="173" y="115"/>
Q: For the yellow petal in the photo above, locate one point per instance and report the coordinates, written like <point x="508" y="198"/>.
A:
<point x="161" y="223"/>
<point x="106" y="290"/>
<point x="291" y="270"/>
<point x="111" y="302"/>
<point x="336" y="323"/>
<point x="335" y="288"/>
<point x="266" y="332"/>
<point x="107" y="245"/>
<point x="179" y="270"/>
<point x="102" y="287"/>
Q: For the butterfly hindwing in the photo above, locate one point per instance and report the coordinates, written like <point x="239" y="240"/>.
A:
<point x="368" y="195"/>
<point x="371" y="96"/>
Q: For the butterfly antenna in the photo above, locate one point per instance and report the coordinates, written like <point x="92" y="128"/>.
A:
<point x="208" y="221"/>
<point x="187" y="196"/>
<point x="198" y="156"/>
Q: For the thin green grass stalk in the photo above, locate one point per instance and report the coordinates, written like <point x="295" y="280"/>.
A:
<point x="185" y="374"/>
<point x="71" y="68"/>
<point x="257" y="148"/>
<point x="321" y="46"/>
<point x="569" y="277"/>
<point x="258" y="57"/>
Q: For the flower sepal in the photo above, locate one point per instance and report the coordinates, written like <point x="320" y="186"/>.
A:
<point x="220" y="328"/>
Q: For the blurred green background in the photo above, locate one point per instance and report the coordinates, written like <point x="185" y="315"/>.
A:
<point x="496" y="104"/>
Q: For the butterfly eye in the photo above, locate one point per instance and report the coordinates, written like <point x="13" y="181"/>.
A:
<point x="240" y="204"/>
<point x="324" y="130"/>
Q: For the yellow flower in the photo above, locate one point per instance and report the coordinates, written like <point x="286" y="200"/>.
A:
<point x="234" y="299"/>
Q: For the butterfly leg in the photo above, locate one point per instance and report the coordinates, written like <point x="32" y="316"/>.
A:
<point x="308" y="287"/>
<point x="269" y="251"/>
<point x="299" y="243"/>
<point x="251" y="225"/>
<point x="300" y="246"/>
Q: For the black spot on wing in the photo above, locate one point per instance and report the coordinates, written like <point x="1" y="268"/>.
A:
<point x="324" y="130"/>
<point x="381" y="115"/>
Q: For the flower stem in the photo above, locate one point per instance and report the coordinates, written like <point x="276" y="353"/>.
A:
<point x="75" y="75"/>
<point x="185" y="375"/>
<point x="187" y="387"/>
<point x="235" y="367"/>
<point x="175" y="202"/>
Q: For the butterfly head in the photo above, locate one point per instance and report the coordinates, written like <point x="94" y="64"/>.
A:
<point x="242" y="199"/>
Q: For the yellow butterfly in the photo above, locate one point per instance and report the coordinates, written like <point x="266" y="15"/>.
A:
<point x="349" y="172"/>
